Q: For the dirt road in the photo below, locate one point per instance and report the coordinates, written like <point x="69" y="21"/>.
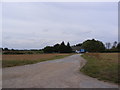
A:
<point x="62" y="73"/>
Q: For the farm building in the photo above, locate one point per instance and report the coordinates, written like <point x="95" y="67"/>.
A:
<point x="78" y="49"/>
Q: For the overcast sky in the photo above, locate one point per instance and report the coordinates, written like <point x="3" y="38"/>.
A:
<point x="36" y="25"/>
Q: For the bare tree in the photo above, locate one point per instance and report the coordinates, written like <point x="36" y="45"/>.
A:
<point x="108" y="45"/>
<point x="114" y="44"/>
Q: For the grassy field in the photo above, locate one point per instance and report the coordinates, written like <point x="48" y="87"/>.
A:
<point x="103" y="66"/>
<point x="17" y="60"/>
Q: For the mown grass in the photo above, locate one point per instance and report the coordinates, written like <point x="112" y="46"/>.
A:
<point x="103" y="66"/>
<point x="18" y="60"/>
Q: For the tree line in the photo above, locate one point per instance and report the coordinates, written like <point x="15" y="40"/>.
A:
<point x="98" y="46"/>
<point x="58" y="48"/>
<point x="89" y="46"/>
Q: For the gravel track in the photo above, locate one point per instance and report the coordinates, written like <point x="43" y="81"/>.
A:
<point x="62" y="73"/>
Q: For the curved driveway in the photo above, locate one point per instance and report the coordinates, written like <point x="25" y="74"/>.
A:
<point x="62" y="73"/>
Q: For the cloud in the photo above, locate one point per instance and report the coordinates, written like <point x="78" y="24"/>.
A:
<point x="35" y="25"/>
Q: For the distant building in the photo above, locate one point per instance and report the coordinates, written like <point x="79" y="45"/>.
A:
<point x="75" y="48"/>
<point x="82" y="50"/>
<point x="78" y="49"/>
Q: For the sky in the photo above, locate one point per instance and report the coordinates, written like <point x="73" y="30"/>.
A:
<point x="32" y="25"/>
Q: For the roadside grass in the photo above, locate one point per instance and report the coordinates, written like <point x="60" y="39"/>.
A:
<point x="103" y="66"/>
<point x="18" y="60"/>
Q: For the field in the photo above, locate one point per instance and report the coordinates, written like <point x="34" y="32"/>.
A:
<point x="103" y="66"/>
<point x="10" y="52"/>
<point x="16" y="60"/>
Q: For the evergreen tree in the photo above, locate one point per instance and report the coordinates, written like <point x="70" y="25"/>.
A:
<point x="56" y="48"/>
<point x="69" y="49"/>
<point x="62" y="48"/>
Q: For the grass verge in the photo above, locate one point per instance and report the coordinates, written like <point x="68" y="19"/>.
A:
<point x="18" y="60"/>
<point x="103" y="66"/>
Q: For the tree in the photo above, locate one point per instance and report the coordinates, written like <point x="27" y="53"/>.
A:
<point x="6" y="49"/>
<point x="48" y="49"/>
<point x="108" y="45"/>
<point x="62" y="48"/>
<point x="56" y="47"/>
<point x="69" y="49"/>
<point x="114" y="45"/>
<point x="118" y="46"/>
<point x="93" y="46"/>
<point x="2" y="49"/>
<point x="80" y="44"/>
<point x="12" y="49"/>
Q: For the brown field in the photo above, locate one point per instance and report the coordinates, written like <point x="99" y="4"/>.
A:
<point x="29" y="57"/>
<point x="14" y="60"/>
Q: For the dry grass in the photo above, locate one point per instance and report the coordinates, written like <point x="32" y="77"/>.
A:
<point x="110" y="57"/>
<point x="15" y="60"/>
<point x="30" y="57"/>
<point x="102" y="66"/>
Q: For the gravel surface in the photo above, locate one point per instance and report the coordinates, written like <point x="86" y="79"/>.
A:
<point x="62" y="73"/>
